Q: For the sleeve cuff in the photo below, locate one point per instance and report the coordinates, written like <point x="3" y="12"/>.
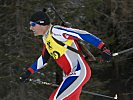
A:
<point x="100" y="45"/>
<point x="31" y="70"/>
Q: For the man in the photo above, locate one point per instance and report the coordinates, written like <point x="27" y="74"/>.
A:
<point x="61" y="43"/>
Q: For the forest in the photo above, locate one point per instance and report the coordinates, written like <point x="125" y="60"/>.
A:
<point x="110" y="20"/>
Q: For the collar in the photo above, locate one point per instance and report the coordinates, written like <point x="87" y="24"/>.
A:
<point x="46" y="33"/>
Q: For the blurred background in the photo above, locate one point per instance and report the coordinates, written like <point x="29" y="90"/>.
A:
<point x="110" y="20"/>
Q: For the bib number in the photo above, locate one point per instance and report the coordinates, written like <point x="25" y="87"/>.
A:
<point x="55" y="54"/>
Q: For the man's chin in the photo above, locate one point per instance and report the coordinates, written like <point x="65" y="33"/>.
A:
<point x="35" y="34"/>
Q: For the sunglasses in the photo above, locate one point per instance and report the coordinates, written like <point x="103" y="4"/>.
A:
<point x="33" y="24"/>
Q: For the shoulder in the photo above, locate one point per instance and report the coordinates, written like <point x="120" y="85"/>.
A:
<point x="69" y="30"/>
<point x="63" y="28"/>
<point x="58" y="28"/>
<point x="57" y="33"/>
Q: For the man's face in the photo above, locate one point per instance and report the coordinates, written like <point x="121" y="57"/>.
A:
<point x="37" y="29"/>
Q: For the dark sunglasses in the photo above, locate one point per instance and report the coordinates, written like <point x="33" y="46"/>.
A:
<point x="33" y="24"/>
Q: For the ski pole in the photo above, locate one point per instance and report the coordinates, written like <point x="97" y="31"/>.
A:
<point x="121" y="52"/>
<point x="38" y="81"/>
<point x="97" y="94"/>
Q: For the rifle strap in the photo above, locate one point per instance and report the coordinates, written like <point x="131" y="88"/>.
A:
<point x="66" y="46"/>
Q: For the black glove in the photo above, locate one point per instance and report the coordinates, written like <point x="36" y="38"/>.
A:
<point x="24" y="76"/>
<point x="106" y="54"/>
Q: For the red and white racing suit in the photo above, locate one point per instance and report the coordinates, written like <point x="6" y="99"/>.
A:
<point x="73" y="64"/>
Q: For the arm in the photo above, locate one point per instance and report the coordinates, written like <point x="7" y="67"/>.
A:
<point x="75" y="34"/>
<point x="38" y="64"/>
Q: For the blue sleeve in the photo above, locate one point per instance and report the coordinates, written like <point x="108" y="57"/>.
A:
<point x="91" y="39"/>
<point x="40" y="62"/>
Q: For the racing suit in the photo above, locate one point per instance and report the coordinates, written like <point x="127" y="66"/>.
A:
<point x="73" y="64"/>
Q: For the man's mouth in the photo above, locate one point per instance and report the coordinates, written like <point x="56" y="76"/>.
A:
<point x="33" y="31"/>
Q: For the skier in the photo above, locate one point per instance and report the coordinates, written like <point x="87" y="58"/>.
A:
<point x="61" y="43"/>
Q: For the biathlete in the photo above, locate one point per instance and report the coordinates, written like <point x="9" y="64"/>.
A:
<point x="72" y="63"/>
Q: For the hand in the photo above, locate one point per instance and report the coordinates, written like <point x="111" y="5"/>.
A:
<point x="24" y="76"/>
<point x="106" y="54"/>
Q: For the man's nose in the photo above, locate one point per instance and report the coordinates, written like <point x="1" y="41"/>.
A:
<point x="31" y="28"/>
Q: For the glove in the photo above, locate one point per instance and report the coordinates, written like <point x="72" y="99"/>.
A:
<point x="106" y="54"/>
<point x="24" y="76"/>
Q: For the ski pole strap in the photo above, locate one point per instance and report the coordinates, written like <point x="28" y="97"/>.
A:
<point x="66" y="46"/>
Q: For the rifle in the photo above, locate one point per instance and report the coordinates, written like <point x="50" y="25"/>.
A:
<point x="86" y="53"/>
